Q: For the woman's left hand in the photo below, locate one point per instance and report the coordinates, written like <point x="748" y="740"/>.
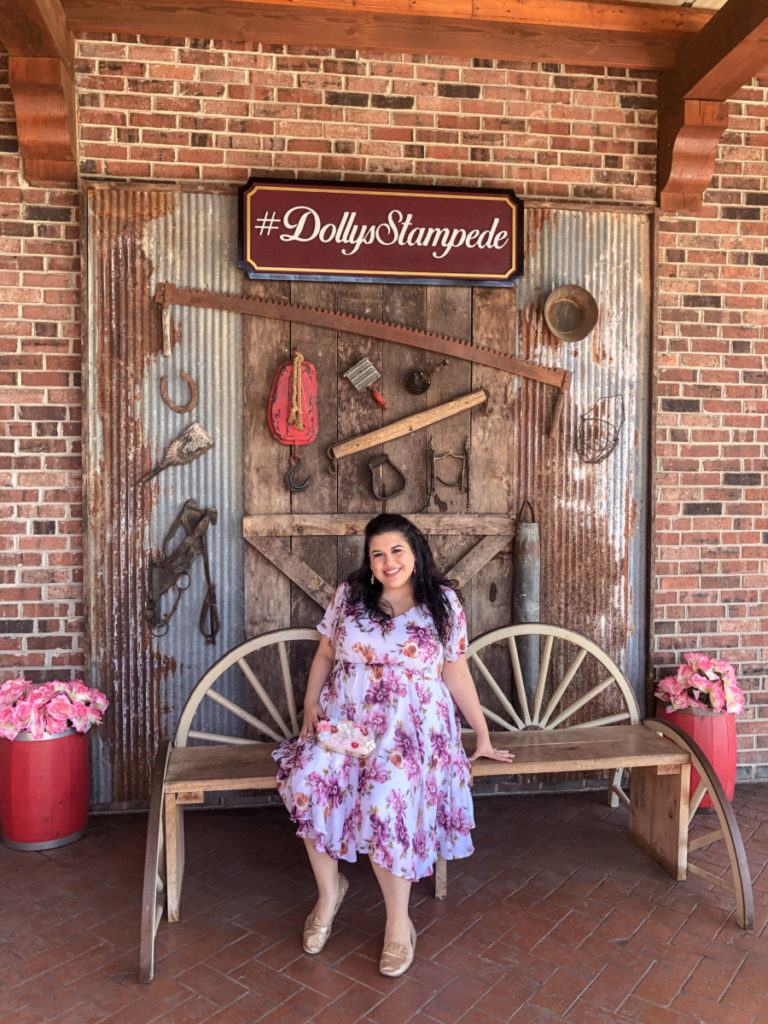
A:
<point x="494" y="753"/>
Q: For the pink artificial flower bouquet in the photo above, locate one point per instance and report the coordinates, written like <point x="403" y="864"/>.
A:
<point x="48" y="708"/>
<point x="702" y="682"/>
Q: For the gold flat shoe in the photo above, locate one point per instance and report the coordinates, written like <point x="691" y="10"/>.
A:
<point x="396" y="959"/>
<point x="315" y="932"/>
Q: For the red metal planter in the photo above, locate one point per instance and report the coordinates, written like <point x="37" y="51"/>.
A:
<point x="44" y="790"/>
<point x="715" y="733"/>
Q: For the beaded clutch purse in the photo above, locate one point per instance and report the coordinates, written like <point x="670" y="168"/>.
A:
<point x="345" y="737"/>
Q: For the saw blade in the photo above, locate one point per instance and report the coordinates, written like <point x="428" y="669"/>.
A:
<point x="169" y="294"/>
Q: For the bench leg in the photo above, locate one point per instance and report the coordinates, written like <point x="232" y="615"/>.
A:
<point x="174" y="854"/>
<point x="658" y="815"/>
<point x="441" y="878"/>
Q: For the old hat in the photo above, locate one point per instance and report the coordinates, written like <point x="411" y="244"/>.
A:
<point x="570" y="312"/>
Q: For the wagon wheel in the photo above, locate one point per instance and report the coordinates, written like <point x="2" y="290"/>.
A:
<point x="577" y="683"/>
<point x="153" y="889"/>
<point x="709" y="785"/>
<point x="275" y="726"/>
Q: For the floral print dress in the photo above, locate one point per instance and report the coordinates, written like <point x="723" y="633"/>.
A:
<point x="410" y="800"/>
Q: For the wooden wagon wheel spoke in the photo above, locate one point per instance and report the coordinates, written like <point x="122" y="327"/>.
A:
<point x="541" y="682"/>
<point x="504" y="701"/>
<point x="279" y="728"/>
<point x="570" y="672"/>
<point x="549" y="710"/>
<point x="740" y="884"/>
<point x="583" y="701"/>
<point x="517" y="674"/>
<point x="246" y="717"/>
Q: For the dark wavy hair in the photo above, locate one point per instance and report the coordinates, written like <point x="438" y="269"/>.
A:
<point x="428" y="581"/>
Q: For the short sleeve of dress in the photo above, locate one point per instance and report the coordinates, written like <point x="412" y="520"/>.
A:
<point x="456" y="645"/>
<point x="333" y="613"/>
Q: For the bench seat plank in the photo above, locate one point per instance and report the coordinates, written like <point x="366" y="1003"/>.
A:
<point x="221" y="767"/>
<point x="579" y="749"/>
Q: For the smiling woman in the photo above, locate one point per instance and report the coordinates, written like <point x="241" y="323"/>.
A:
<point x="390" y="668"/>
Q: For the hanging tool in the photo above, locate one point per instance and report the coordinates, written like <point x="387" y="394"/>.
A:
<point x="169" y="294"/>
<point x="364" y="375"/>
<point x="188" y="446"/>
<point x="292" y="413"/>
<point x="408" y="425"/>
<point x="378" y="462"/>
<point x="192" y="393"/>
<point x="419" y="381"/>
<point x="433" y="477"/>
<point x="171" y="571"/>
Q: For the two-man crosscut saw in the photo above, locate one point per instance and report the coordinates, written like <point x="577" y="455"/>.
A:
<point x="170" y="295"/>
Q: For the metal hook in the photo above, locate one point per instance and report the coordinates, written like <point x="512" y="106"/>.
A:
<point x="290" y="483"/>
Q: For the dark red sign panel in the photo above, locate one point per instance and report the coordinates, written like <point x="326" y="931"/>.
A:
<point x="336" y="232"/>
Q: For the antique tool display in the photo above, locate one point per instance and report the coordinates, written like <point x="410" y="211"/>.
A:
<point x="364" y="375"/>
<point x="188" y="446"/>
<point x="377" y="465"/>
<point x="570" y="312"/>
<point x="193" y="393"/>
<point x="169" y="294"/>
<point x="407" y="425"/>
<point x="461" y="483"/>
<point x="419" y="381"/>
<point x="292" y="413"/>
<point x="598" y="433"/>
<point x="170" y="572"/>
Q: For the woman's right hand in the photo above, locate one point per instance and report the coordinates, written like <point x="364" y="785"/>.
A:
<point x="313" y="713"/>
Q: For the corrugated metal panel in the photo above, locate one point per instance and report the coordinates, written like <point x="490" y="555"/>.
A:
<point x="593" y="533"/>
<point x="137" y="239"/>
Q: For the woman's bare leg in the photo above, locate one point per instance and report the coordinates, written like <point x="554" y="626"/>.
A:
<point x="396" y="892"/>
<point x="326" y="872"/>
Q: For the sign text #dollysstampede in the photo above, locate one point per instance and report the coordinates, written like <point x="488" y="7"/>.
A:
<point x="334" y="232"/>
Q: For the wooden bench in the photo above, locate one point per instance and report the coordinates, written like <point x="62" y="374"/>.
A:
<point x="579" y="716"/>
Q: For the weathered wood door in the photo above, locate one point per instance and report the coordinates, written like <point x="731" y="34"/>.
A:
<point x="290" y="573"/>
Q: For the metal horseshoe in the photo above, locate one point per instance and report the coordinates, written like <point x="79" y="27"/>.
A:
<point x="193" y="394"/>
<point x="290" y="483"/>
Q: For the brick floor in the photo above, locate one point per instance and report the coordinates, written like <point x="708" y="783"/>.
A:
<point x="557" y="917"/>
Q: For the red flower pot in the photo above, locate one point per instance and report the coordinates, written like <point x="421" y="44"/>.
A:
<point x="715" y="733"/>
<point x="44" y="790"/>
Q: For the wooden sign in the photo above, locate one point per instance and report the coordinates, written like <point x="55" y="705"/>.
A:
<point x="336" y="232"/>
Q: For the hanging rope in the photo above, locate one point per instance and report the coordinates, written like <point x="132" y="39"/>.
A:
<point x="295" y="418"/>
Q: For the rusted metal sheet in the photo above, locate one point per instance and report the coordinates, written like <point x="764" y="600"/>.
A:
<point x="593" y="530"/>
<point x="136" y="238"/>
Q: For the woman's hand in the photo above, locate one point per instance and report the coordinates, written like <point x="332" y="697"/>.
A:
<point x="313" y="713"/>
<point x="485" y="749"/>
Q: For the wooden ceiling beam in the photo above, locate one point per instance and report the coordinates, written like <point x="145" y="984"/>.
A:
<point x="727" y="53"/>
<point x="41" y="56"/>
<point x="592" y="34"/>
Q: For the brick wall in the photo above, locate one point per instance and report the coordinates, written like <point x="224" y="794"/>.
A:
<point x="201" y="112"/>
<point x="712" y="424"/>
<point x="41" y="526"/>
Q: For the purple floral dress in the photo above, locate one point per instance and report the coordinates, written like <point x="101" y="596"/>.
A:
<point x="410" y="800"/>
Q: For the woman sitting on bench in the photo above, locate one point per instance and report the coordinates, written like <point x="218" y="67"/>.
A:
<point x="385" y="676"/>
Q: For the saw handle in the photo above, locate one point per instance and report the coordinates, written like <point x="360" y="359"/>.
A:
<point x="557" y="410"/>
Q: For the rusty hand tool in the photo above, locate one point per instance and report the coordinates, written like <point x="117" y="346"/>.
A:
<point x="169" y="294"/>
<point x="364" y="375"/>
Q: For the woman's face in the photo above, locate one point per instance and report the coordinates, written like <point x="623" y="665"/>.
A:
<point x="392" y="560"/>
